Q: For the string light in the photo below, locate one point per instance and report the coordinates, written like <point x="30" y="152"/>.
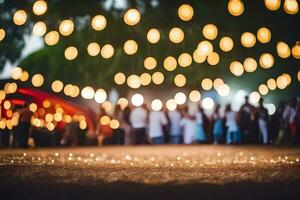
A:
<point x="264" y="35"/>
<point x="137" y="99"/>
<point x="170" y="63"/>
<point x="291" y="7"/>
<point x="57" y="86"/>
<point x="145" y="79"/>
<point x="153" y="36"/>
<point x="20" y="17"/>
<point x="271" y="83"/>
<point x="107" y="51"/>
<point x="283" y="50"/>
<point x="226" y="44"/>
<point x="133" y="81"/>
<point x="130" y="47"/>
<point x="37" y="80"/>
<point x="156" y="105"/>
<point x="236" y="68"/>
<point x="71" y="53"/>
<point x="39" y="7"/>
<point x="120" y="78"/>
<point x="205" y="48"/>
<point x="273" y="4"/>
<point x="198" y="58"/>
<point x="180" y="80"/>
<point x="206" y="84"/>
<point x="2" y="34"/>
<point x="210" y="31"/>
<point x="66" y="27"/>
<point x="185" y="60"/>
<point x="213" y="58"/>
<point x="171" y="104"/>
<point x="176" y="35"/>
<point x="296" y="50"/>
<point x="52" y="38"/>
<point x="266" y="60"/>
<point x="185" y="12"/>
<point x="93" y="49"/>
<point x="208" y="103"/>
<point x="157" y="78"/>
<point x="180" y="98"/>
<point x="194" y="96"/>
<point x="248" y="39"/>
<point x="132" y="17"/>
<point x="250" y="64"/>
<point x="263" y="89"/>
<point x="87" y="92"/>
<point x="99" y="22"/>
<point x="150" y="63"/>
<point x="235" y="7"/>
<point x="100" y="96"/>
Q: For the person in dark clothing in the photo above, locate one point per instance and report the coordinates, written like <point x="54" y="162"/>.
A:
<point x="24" y="126"/>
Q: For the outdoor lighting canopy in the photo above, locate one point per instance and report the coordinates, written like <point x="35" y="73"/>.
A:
<point x="39" y="28"/>
<point x="153" y="36"/>
<point x="170" y="63"/>
<point x="171" y="104"/>
<point x="20" y="17"/>
<point x="264" y="35"/>
<point x="185" y="12"/>
<point x="250" y="64"/>
<point x="99" y="22"/>
<point x="180" y="80"/>
<point x="52" y="38"/>
<point x="66" y="27"/>
<point x="248" y="39"/>
<point x="2" y="34"/>
<point x="132" y="17"/>
<point x="213" y="58"/>
<point x="176" y="35"/>
<point x="208" y="103"/>
<point x="273" y="4"/>
<point x="226" y="44"/>
<point x="236" y="68"/>
<point x="283" y="50"/>
<point x="100" y="96"/>
<point x="137" y="99"/>
<point x="210" y="31"/>
<point x="156" y="105"/>
<point x="119" y="78"/>
<point x="93" y="49"/>
<point x="71" y="53"/>
<point x="194" y="96"/>
<point x="130" y="47"/>
<point x="87" y="92"/>
<point x="291" y="7"/>
<point x="185" y="60"/>
<point x="39" y="7"/>
<point x="235" y="7"/>
<point x="266" y="60"/>
<point x="180" y="98"/>
<point x="107" y="51"/>
<point x="150" y="63"/>
<point x="205" y="48"/>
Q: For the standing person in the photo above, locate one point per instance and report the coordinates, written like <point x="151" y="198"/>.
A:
<point x="189" y="127"/>
<point x="104" y="131"/>
<point x="217" y="125"/>
<point x="70" y="135"/>
<point x="275" y="122"/>
<point x="199" y="119"/>
<point x="119" y="133"/>
<point x="174" y="118"/>
<point x="263" y="118"/>
<point x="232" y="135"/>
<point x="126" y="126"/>
<point x="247" y="122"/>
<point x="157" y="119"/>
<point x="138" y="119"/>
<point x="24" y="126"/>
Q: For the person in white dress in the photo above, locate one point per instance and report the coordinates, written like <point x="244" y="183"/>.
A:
<point x="232" y="135"/>
<point x="157" y="119"/>
<point x="138" y="119"/>
<point x="174" y="118"/>
<point x="188" y="125"/>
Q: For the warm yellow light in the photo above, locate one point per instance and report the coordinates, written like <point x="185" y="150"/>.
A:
<point x="208" y="103"/>
<point x="87" y="92"/>
<point x="271" y="83"/>
<point x="75" y="91"/>
<point x="49" y="117"/>
<point x="39" y="28"/>
<point x="145" y="79"/>
<point x="39" y="7"/>
<point x="298" y="76"/>
<point x="281" y="82"/>
<point x="226" y="44"/>
<point x="185" y="12"/>
<point x="264" y="35"/>
<point x="198" y="58"/>
<point x="107" y="51"/>
<point x="71" y="53"/>
<point x="296" y="50"/>
<point x="180" y="80"/>
<point x="248" y="39"/>
<point x="107" y="106"/>
<point x="176" y="35"/>
<point x="213" y="58"/>
<point x="185" y="60"/>
<point x="132" y="17"/>
<point x="194" y="96"/>
<point x="37" y="80"/>
<point x="6" y="105"/>
<point x="33" y="107"/>
<point x="46" y="104"/>
<point x="180" y="98"/>
<point x="99" y="22"/>
<point x="20" y="17"/>
<point x="120" y="78"/>
<point x="254" y="97"/>
<point x="263" y="89"/>
<point x="57" y="86"/>
<point x="150" y="63"/>
<point x="137" y="99"/>
<point x="170" y="63"/>
<point x="158" y="78"/>
<point x="66" y="27"/>
<point x="16" y="73"/>
<point x="210" y="31"/>
<point x="130" y="47"/>
<point x="10" y="88"/>
<point x="171" y="104"/>
<point x="114" y="124"/>
<point x="68" y="89"/>
<point x="123" y="102"/>
<point x="156" y="105"/>
<point x="57" y="117"/>
<point x="153" y="36"/>
<point x="2" y="34"/>
<point x="266" y="60"/>
<point x="217" y="83"/>
<point x="2" y="95"/>
<point x="105" y="120"/>
<point x="287" y="77"/>
<point x="205" y="48"/>
<point x="100" y="96"/>
<point x="235" y="7"/>
<point x="206" y="84"/>
<point x="24" y="76"/>
<point x="50" y="126"/>
<point x="291" y="7"/>
<point x="250" y="64"/>
<point x="273" y="4"/>
<point x="283" y="50"/>
<point x="93" y="49"/>
<point x="133" y="81"/>
<point x="223" y="90"/>
<point x="52" y="38"/>
<point x="236" y="68"/>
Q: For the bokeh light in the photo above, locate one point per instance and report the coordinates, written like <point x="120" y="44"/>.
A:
<point x="132" y="17"/>
<point x="185" y="12"/>
<point x="150" y="63"/>
<point x="180" y="98"/>
<point x="208" y="103"/>
<point x="100" y="96"/>
<point x="235" y="7"/>
<point x="156" y="105"/>
<point x="210" y="31"/>
<point x="137" y="99"/>
<point x="226" y="44"/>
<point x="153" y="36"/>
<point x="99" y="22"/>
<point x="176" y="35"/>
<point x="194" y="96"/>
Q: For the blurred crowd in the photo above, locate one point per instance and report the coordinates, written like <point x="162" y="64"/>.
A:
<point x="138" y="125"/>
